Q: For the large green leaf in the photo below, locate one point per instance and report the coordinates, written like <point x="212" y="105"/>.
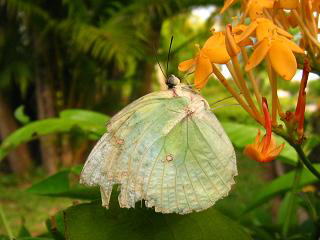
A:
<point x="241" y="135"/>
<point x="64" y="184"/>
<point x="280" y="185"/>
<point x="91" y="221"/>
<point x="35" y="238"/>
<point x="86" y="116"/>
<point x="90" y="122"/>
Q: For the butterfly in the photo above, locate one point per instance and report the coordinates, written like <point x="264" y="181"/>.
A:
<point x="166" y="148"/>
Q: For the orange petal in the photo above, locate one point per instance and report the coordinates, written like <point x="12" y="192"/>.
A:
<point x="288" y="4"/>
<point x="226" y="5"/>
<point x="186" y="65"/>
<point x="248" y="31"/>
<point x="215" y="48"/>
<point x="251" y="151"/>
<point x="266" y="3"/>
<point x="254" y="151"/>
<point x="203" y="71"/>
<point x="240" y="28"/>
<point x="255" y="10"/>
<point x="274" y="152"/>
<point x="232" y="48"/>
<point x="264" y="29"/>
<point x="282" y="60"/>
<point x="294" y="47"/>
<point x="259" y="54"/>
<point x="243" y="43"/>
<point x="284" y="33"/>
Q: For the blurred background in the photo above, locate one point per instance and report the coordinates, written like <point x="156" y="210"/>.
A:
<point x="66" y="56"/>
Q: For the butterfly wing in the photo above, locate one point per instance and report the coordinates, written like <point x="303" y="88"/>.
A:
<point x="157" y="150"/>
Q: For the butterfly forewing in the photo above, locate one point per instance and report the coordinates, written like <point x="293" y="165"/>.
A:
<point x="166" y="148"/>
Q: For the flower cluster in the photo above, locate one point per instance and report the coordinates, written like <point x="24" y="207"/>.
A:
<point x="267" y="34"/>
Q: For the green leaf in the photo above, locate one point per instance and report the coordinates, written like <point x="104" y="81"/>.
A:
<point x="24" y="232"/>
<point x="280" y="185"/>
<point x="64" y="184"/>
<point x="35" y="238"/>
<point x="2" y="237"/>
<point x="91" y="221"/>
<point x="241" y="135"/>
<point x="21" y="116"/>
<point x="90" y="122"/>
<point x="284" y="208"/>
<point x="86" y="116"/>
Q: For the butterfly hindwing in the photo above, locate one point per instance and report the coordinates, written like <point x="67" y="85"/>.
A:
<point x="159" y="149"/>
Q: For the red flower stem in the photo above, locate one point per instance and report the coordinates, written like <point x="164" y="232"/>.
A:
<point x="301" y="103"/>
<point x="275" y="99"/>
<point x="267" y="124"/>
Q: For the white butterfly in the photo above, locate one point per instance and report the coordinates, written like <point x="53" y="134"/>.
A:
<point x="166" y="148"/>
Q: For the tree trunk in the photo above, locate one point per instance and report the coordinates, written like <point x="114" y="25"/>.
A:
<point x="45" y="96"/>
<point x="147" y="68"/>
<point x="45" y="105"/>
<point x="66" y="151"/>
<point x="19" y="159"/>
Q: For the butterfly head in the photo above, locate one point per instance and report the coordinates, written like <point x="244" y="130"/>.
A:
<point x="172" y="81"/>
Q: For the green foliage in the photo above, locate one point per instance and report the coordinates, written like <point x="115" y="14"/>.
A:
<point x="23" y="232"/>
<point x="91" y="123"/>
<point x="65" y="184"/>
<point x="280" y="185"/>
<point x="21" y="116"/>
<point x="91" y="221"/>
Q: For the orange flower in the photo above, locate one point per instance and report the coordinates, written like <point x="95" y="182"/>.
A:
<point x="265" y="149"/>
<point x="273" y="43"/>
<point x="287" y="4"/>
<point x="262" y="28"/>
<point x="202" y="65"/>
<point x="253" y="7"/>
<point x="213" y="51"/>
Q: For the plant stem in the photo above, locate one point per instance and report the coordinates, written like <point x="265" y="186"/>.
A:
<point x="225" y="83"/>
<point x="302" y="156"/>
<point x="292" y="199"/>
<point x="5" y="223"/>
<point x="305" y="29"/>
<point x="273" y="84"/>
<point x="233" y="74"/>
<point x="252" y="79"/>
<point x="244" y="88"/>
<point x="305" y="160"/>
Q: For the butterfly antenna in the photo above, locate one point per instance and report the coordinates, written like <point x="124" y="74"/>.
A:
<point x="225" y="105"/>
<point x="169" y="52"/>
<point x="221" y="100"/>
<point x="157" y="60"/>
<point x="185" y="78"/>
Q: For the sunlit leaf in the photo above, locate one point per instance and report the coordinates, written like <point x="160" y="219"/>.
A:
<point x="90" y="122"/>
